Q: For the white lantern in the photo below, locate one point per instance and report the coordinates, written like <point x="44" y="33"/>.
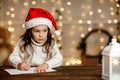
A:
<point x="111" y="61"/>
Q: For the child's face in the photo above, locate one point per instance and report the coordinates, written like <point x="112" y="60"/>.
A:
<point x="39" y="33"/>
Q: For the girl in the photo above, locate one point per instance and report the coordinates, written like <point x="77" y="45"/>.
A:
<point x="36" y="46"/>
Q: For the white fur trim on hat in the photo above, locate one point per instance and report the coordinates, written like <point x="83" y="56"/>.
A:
<point x="38" y="21"/>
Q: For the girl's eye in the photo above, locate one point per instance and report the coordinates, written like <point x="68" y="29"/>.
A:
<point x="44" y="30"/>
<point x="36" y="30"/>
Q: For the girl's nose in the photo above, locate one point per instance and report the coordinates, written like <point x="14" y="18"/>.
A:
<point x="40" y="34"/>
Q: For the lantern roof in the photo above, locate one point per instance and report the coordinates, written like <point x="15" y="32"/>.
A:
<point x="113" y="49"/>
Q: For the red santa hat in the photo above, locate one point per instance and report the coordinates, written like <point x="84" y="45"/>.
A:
<point x="38" y="16"/>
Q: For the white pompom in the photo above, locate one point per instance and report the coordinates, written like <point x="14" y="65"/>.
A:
<point x="57" y="33"/>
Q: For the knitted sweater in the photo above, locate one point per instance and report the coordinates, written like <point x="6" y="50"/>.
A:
<point x="37" y="57"/>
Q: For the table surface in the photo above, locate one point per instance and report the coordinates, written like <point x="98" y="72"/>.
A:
<point x="62" y="73"/>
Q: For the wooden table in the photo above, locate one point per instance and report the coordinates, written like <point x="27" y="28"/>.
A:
<point x="62" y="73"/>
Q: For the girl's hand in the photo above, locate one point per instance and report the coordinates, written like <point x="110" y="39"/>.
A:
<point x="23" y="66"/>
<point x="41" y="68"/>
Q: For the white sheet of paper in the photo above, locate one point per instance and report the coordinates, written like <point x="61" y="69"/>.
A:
<point x="16" y="71"/>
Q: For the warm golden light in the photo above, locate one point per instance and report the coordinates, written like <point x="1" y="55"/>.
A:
<point x="61" y="17"/>
<point x="91" y="13"/>
<point x="111" y="8"/>
<point x="12" y="15"/>
<point x="101" y="25"/>
<point x="80" y="21"/>
<point x="82" y="35"/>
<point x="12" y="9"/>
<point x="11" y="29"/>
<point x="68" y="3"/>
<point x="73" y="61"/>
<point x="101" y="1"/>
<point x="115" y="21"/>
<point x="101" y="47"/>
<point x="89" y="28"/>
<point x="15" y="1"/>
<point x="111" y="29"/>
<point x="60" y="38"/>
<point x="79" y="62"/>
<point x="7" y="13"/>
<point x="59" y="45"/>
<point x="102" y="39"/>
<point x="33" y="2"/>
<point x="67" y="63"/>
<point x="10" y="22"/>
<point x="25" y="4"/>
<point x="43" y="1"/>
<point x="118" y="37"/>
<point x="99" y="10"/>
<point x="109" y="21"/>
<point x="23" y="25"/>
<point x="62" y="9"/>
<point x="89" y="22"/>
<point x="115" y="62"/>
<point x="112" y="13"/>
<point x="117" y="5"/>
<point x="60" y="24"/>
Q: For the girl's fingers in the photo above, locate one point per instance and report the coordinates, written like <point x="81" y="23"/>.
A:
<point x="25" y="66"/>
<point x="39" y="70"/>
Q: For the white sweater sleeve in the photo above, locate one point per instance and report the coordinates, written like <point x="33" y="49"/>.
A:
<point x="56" y="59"/>
<point x="14" y="58"/>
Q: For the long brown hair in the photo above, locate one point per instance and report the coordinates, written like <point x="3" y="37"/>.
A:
<point x="26" y="38"/>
